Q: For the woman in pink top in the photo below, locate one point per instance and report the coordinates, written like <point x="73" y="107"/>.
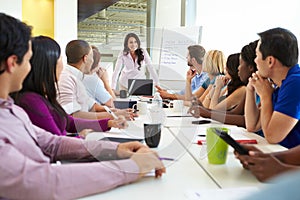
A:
<point x="131" y="63"/>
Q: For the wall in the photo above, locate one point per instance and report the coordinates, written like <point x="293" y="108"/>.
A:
<point x="65" y="26"/>
<point x="64" y="20"/>
<point x="12" y="7"/>
<point x="231" y="24"/>
<point x="43" y="21"/>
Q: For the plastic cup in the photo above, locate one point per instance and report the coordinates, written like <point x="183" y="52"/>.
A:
<point x="216" y="148"/>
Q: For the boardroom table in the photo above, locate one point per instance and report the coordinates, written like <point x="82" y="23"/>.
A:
<point x="190" y="173"/>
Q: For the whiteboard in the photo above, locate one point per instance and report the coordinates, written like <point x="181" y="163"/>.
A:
<point x="173" y="51"/>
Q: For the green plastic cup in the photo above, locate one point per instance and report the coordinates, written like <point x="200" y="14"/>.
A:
<point x="216" y="148"/>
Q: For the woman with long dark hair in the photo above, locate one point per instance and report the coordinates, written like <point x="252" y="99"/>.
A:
<point x="131" y="63"/>
<point x="39" y="94"/>
<point x="228" y="91"/>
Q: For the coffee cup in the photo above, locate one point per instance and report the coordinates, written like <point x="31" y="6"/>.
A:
<point x="123" y="94"/>
<point x="152" y="133"/>
<point x="141" y="106"/>
<point x="215" y="146"/>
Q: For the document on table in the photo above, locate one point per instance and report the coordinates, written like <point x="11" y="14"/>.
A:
<point x="116" y="133"/>
<point x="236" y="132"/>
<point x="216" y="194"/>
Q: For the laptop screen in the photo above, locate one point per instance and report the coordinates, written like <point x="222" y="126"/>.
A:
<point x="140" y="87"/>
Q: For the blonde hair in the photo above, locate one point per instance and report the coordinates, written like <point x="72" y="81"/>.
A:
<point x="214" y="62"/>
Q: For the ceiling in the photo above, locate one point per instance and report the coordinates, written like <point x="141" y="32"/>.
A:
<point x="107" y="22"/>
<point x="86" y="8"/>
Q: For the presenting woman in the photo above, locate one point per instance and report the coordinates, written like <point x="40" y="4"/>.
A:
<point x="131" y="63"/>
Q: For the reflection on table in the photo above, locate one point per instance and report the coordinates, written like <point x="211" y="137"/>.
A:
<point x="190" y="172"/>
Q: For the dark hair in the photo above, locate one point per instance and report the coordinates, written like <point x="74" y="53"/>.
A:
<point x="280" y="43"/>
<point x="96" y="56"/>
<point x="42" y="77"/>
<point x="232" y="64"/>
<point x="139" y="52"/>
<point x="197" y="52"/>
<point x="248" y="54"/>
<point x="76" y="49"/>
<point x="14" y="38"/>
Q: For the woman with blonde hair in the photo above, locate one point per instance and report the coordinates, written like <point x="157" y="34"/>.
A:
<point x="213" y="64"/>
<point x="232" y="99"/>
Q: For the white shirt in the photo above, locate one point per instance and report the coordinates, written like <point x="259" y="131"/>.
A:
<point x="72" y="93"/>
<point x="130" y="70"/>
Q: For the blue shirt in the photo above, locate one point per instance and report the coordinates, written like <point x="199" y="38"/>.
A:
<point x="286" y="100"/>
<point x="95" y="88"/>
<point x="208" y="82"/>
<point x="197" y="82"/>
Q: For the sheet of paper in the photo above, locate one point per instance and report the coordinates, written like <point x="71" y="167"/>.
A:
<point x="216" y="194"/>
<point x="236" y="132"/>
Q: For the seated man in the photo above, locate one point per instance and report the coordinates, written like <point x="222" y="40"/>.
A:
<point x="94" y="83"/>
<point x="197" y="78"/>
<point x="279" y="112"/>
<point x="28" y="151"/>
<point x="72" y="95"/>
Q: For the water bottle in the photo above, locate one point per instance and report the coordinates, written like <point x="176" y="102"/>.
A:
<point x="156" y="112"/>
<point x="157" y="100"/>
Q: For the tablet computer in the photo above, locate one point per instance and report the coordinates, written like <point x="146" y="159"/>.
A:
<point x="202" y="121"/>
<point x="229" y="140"/>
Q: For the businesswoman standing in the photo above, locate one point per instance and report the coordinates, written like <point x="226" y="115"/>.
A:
<point x="131" y="63"/>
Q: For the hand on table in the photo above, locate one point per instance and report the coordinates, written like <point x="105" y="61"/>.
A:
<point x="127" y="149"/>
<point x="164" y="93"/>
<point x="120" y="123"/>
<point x="263" y="166"/>
<point x="147" y="160"/>
<point x="195" y="107"/>
<point x="83" y="133"/>
<point x="127" y="113"/>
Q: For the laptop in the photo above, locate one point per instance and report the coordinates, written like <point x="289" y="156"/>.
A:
<point x="140" y="87"/>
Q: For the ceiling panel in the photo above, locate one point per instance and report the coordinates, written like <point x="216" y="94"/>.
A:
<point x="86" y="8"/>
<point x="113" y="22"/>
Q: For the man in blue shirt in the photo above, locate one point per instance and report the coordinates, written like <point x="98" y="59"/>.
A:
<point x="194" y="60"/>
<point x="276" y="59"/>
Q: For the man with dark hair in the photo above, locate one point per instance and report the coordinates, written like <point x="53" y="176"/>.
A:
<point x="28" y="151"/>
<point x="73" y="96"/>
<point x="276" y="59"/>
<point x="195" y="76"/>
<point x="278" y="117"/>
<point x="96" y="82"/>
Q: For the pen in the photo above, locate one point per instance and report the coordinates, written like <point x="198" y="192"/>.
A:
<point x="244" y="141"/>
<point x="110" y="112"/>
<point x="247" y="141"/>
<point x="179" y="116"/>
<point x="164" y="158"/>
<point x="202" y="135"/>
